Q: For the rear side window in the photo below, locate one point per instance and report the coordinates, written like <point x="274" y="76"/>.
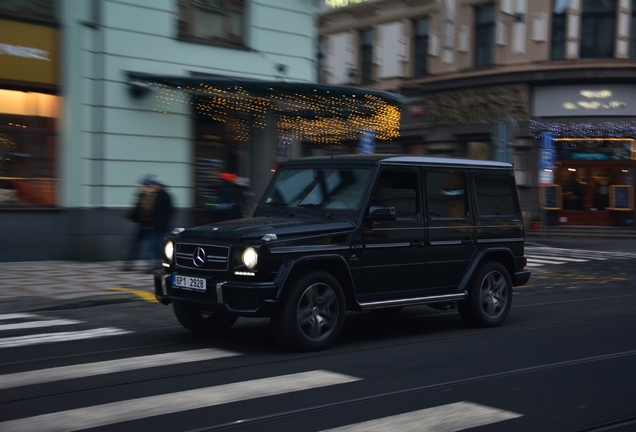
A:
<point x="446" y="194"/>
<point x="494" y="196"/>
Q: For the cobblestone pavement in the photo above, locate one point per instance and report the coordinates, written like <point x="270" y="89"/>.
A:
<point x="67" y="280"/>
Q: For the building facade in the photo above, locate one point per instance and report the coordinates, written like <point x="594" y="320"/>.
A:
<point x="78" y="128"/>
<point x="545" y="84"/>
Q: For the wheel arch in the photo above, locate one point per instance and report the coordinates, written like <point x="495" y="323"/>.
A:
<point x="499" y="254"/>
<point x="335" y="265"/>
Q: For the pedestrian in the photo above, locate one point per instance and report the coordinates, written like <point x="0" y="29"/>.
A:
<point x="152" y="214"/>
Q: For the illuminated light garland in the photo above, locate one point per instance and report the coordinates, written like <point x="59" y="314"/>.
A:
<point x="588" y="131"/>
<point x="318" y="118"/>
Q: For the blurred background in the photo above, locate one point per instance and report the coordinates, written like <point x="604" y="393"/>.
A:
<point x="96" y="93"/>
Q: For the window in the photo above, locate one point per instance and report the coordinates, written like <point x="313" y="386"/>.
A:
<point x="43" y="11"/>
<point x="398" y="189"/>
<point x="559" y="16"/>
<point x="420" y="44"/>
<point x="598" y="21"/>
<point x="632" y="50"/>
<point x="28" y="148"/>
<point x="215" y="21"/>
<point x="328" y="188"/>
<point x="485" y="34"/>
<point x="494" y="196"/>
<point x="446" y="196"/>
<point x="366" y="56"/>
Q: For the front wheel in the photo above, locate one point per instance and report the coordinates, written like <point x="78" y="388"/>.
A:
<point x="203" y="321"/>
<point x="489" y="296"/>
<point x="311" y="314"/>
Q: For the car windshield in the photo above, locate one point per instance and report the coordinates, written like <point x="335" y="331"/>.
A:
<point x="328" y="188"/>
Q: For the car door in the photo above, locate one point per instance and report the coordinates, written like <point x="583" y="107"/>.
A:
<point x="451" y="235"/>
<point x="394" y="251"/>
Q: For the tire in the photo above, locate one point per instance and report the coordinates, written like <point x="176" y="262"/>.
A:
<point x="489" y="296"/>
<point x="311" y="314"/>
<point x="201" y="321"/>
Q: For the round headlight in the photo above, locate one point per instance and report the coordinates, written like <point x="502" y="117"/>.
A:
<point x="250" y="258"/>
<point x="168" y="250"/>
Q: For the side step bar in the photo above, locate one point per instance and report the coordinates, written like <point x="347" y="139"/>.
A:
<point x="412" y="301"/>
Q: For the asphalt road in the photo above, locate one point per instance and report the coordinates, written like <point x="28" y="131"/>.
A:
<point x="563" y="361"/>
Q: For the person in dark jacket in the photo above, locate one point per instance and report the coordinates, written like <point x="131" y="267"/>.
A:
<point x="152" y="214"/>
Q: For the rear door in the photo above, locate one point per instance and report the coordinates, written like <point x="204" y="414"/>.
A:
<point x="451" y="235"/>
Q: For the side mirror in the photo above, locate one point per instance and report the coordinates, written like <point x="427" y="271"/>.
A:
<point x="381" y="213"/>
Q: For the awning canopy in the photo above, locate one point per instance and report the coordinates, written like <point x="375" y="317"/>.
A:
<point x="305" y="111"/>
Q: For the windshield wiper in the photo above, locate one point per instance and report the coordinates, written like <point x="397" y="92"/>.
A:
<point x="320" y="209"/>
<point x="281" y="206"/>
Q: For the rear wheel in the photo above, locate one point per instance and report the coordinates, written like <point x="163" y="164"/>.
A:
<point x="312" y="314"/>
<point x="489" y="296"/>
<point x="203" y="321"/>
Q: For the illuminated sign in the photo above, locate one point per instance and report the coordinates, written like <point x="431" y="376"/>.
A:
<point x="617" y="100"/>
<point x="28" y="52"/>
<point x="337" y="4"/>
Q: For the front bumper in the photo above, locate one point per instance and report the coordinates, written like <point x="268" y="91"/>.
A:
<point x="242" y="298"/>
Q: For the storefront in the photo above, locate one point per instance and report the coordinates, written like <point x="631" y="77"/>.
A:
<point x="594" y="152"/>
<point x="29" y="112"/>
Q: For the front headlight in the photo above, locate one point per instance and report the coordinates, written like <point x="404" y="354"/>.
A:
<point x="249" y="258"/>
<point x="168" y="250"/>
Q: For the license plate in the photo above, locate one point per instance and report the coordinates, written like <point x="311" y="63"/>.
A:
<point x="188" y="283"/>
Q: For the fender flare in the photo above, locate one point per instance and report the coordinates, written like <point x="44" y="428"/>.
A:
<point x="290" y="264"/>
<point x="477" y="258"/>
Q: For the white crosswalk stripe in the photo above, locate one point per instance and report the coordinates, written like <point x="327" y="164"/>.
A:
<point x="448" y="418"/>
<point x="27" y="321"/>
<point x="117" y="412"/>
<point x="540" y="256"/>
<point x="112" y="366"/>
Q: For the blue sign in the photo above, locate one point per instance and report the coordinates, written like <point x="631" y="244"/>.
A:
<point x="546" y="159"/>
<point x="547" y="140"/>
<point x="367" y="142"/>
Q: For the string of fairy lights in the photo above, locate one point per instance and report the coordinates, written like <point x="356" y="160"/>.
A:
<point x="585" y="130"/>
<point x="321" y="117"/>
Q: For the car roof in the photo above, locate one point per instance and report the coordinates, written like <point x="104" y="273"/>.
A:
<point x="375" y="159"/>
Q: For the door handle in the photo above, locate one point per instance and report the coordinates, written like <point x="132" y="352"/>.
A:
<point x="417" y="243"/>
<point x="468" y="241"/>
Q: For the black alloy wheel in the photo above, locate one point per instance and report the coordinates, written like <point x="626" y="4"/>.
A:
<point x="312" y="313"/>
<point x="489" y="296"/>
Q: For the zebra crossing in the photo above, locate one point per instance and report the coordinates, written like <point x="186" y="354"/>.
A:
<point x="450" y="417"/>
<point x="27" y="321"/>
<point x="539" y="256"/>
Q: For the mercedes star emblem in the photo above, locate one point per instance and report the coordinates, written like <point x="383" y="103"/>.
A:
<point x="198" y="257"/>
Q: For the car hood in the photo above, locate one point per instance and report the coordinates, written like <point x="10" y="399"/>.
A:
<point x="257" y="227"/>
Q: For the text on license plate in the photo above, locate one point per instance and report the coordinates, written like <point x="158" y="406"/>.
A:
<point x="189" y="283"/>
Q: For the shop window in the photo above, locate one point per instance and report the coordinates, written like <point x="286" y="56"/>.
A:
<point x="420" y="44"/>
<point x="559" y="15"/>
<point x="214" y="21"/>
<point x="598" y="19"/>
<point x="366" y="56"/>
<point x="485" y="35"/>
<point x="28" y="148"/>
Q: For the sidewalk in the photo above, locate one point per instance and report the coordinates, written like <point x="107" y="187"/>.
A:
<point x="44" y="284"/>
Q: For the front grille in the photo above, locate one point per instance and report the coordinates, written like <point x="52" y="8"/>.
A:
<point x="203" y="257"/>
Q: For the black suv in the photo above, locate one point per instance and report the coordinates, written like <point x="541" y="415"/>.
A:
<point x="354" y="233"/>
